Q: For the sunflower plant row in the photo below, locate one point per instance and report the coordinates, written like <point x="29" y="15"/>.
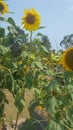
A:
<point x="21" y="61"/>
<point x="26" y="64"/>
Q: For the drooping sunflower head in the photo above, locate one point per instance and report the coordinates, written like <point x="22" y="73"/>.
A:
<point x="67" y="59"/>
<point x="3" y="7"/>
<point x="31" y="19"/>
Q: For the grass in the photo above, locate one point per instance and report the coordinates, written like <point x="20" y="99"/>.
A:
<point x="11" y="111"/>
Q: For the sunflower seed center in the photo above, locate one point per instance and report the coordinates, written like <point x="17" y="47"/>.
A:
<point x="1" y="7"/>
<point x="30" y="19"/>
<point x="69" y="59"/>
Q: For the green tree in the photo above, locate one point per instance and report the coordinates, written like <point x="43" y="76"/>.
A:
<point x="67" y="41"/>
<point x="46" y="42"/>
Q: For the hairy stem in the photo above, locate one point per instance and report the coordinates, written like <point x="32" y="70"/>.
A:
<point x="17" y="116"/>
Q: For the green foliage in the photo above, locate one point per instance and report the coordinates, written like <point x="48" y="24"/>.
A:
<point x="2" y="32"/>
<point x="28" y="125"/>
<point x="56" y="95"/>
<point x="19" y="101"/>
<point x="33" y="65"/>
<point x="3" y="100"/>
<point x="21" y="65"/>
<point x="67" y="41"/>
<point x="55" y="125"/>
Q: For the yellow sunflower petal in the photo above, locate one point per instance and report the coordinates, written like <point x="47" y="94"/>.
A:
<point x="3" y="7"/>
<point x="31" y="19"/>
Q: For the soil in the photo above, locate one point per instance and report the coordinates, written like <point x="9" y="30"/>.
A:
<point x="24" y="118"/>
<point x="10" y="110"/>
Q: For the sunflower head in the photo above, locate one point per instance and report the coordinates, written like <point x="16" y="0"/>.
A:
<point x="3" y="7"/>
<point x="31" y="19"/>
<point x="67" y="59"/>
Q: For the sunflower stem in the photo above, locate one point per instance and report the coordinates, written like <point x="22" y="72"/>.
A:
<point x="17" y="116"/>
<point x="30" y="38"/>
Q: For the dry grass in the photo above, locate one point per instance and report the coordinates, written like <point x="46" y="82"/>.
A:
<point x="10" y="110"/>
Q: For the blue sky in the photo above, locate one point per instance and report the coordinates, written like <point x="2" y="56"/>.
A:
<point x="56" y="15"/>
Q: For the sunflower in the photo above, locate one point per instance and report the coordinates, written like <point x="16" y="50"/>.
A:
<point x="3" y="7"/>
<point x="31" y="19"/>
<point x="67" y="59"/>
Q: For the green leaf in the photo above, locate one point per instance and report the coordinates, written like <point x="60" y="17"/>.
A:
<point x="24" y="55"/>
<point x="2" y="32"/>
<point x="19" y="102"/>
<point x="28" y="125"/>
<point x="11" y="21"/>
<point x="52" y="125"/>
<point x="39" y="34"/>
<point x="3" y="19"/>
<point x="41" y="27"/>
<point x="32" y="106"/>
<point x="22" y="102"/>
<point x="44" y="49"/>
<point x="29" y="80"/>
<point x="69" y="76"/>
<point x="52" y="104"/>
<point x="39" y="65"/>
<point x="3" y="50"/>
<point x="12" y="30"/>
<point x="37" y="91"/>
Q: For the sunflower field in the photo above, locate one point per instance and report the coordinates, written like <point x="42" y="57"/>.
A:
<point x="27" y="63"/>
